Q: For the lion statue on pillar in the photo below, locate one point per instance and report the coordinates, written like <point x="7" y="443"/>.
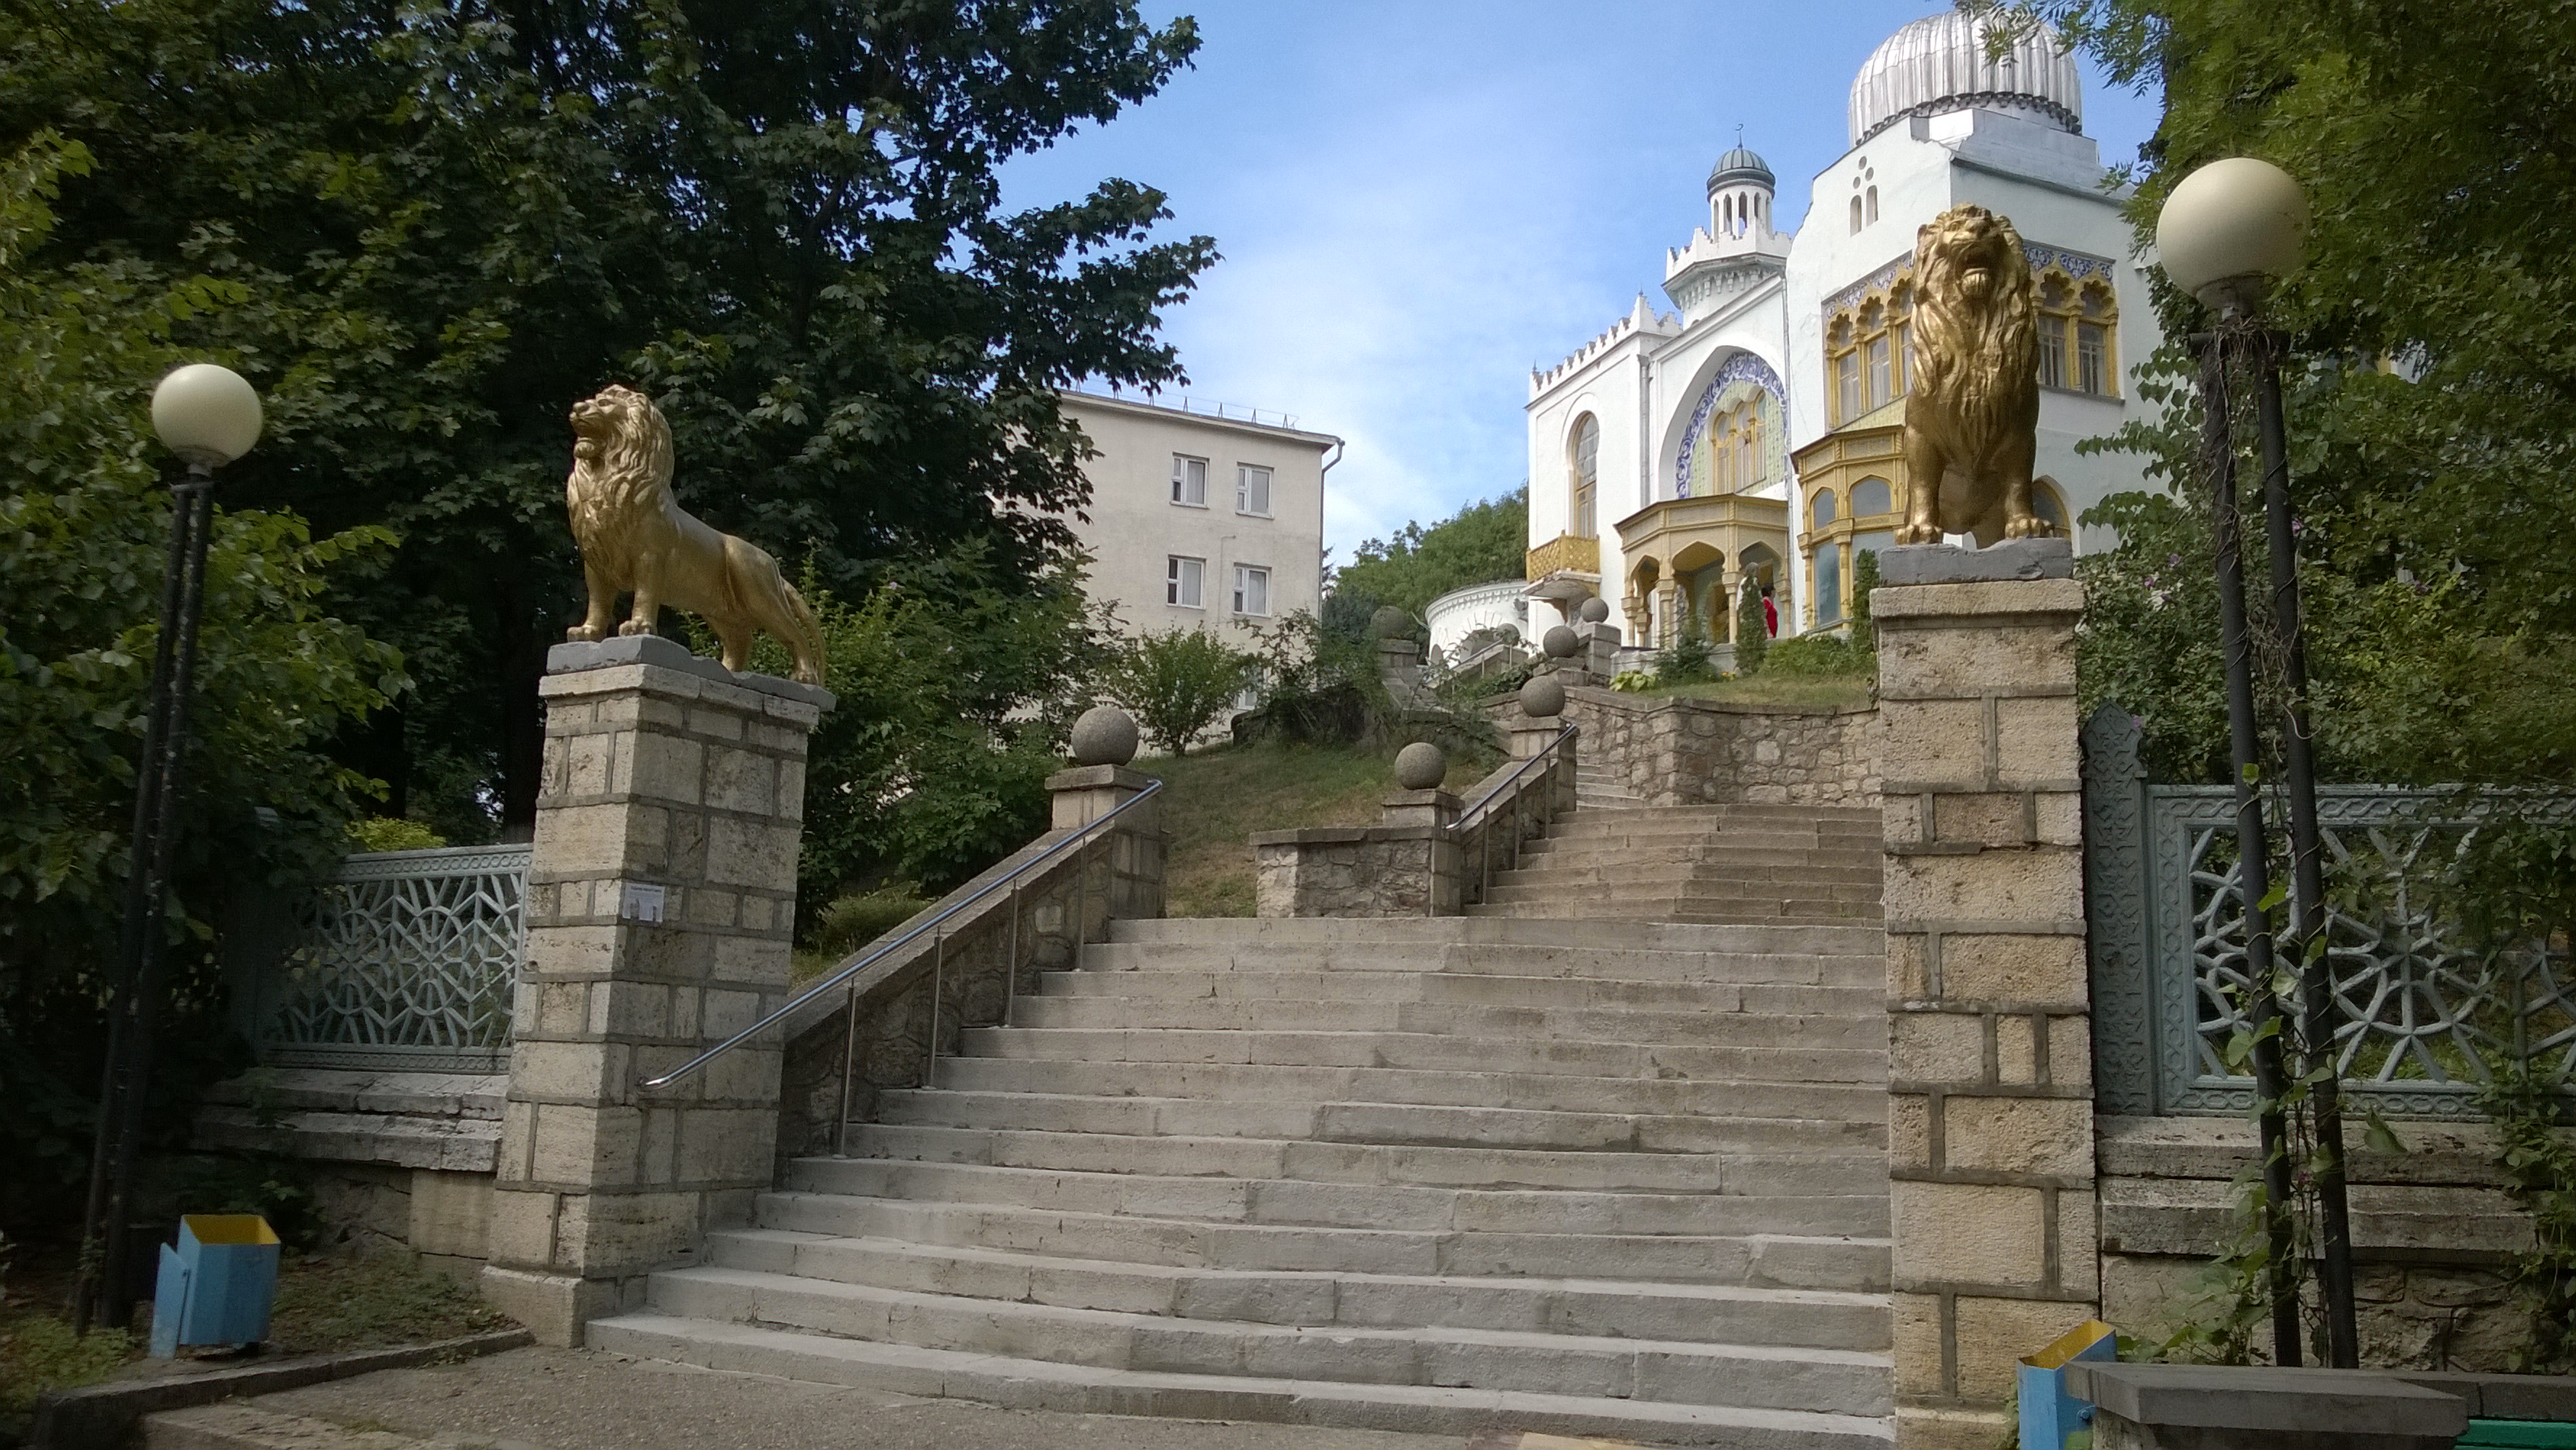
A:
<point x="635" y="538"/>
<point x="1972" y="413"/>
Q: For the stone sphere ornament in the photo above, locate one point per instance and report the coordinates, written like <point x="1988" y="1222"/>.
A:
<point x="1420" y="766"/>
<point x="1543" y="697"/>
<point x="1389" y="622"/>
<point x="1559" y="642"/>
<point x="1594" y="610"/>
<point x="1104" y="735"/>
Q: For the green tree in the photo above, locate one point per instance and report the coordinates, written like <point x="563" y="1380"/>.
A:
<point x="779" y="217"/>
<point x="1752" y="631"/>
<point x="1176" y="683"/>
<point x="1478" y="544"/>
<point x="84" y="529"/>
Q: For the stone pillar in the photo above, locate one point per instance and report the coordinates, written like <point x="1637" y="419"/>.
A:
<point x="1990" y="1083"/>
<point x="1130" y="886"/>
<point x="1428" y="815"/>
<point x="661" y="901"/>
<point x="1601" y="652"/>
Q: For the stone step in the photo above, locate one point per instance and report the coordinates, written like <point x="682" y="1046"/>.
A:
<point x="1043" y="1384"/>
<point x="1856" y="959"/>
<point x="1856" y="1264"/>
<point x="1379" y="933"/>
<point x="1147" y="980"/>
<point x="1547" y="885"/>
<point x="1709" y="849"/>
<point x="1294" y="1201"/>
<point x="1501" y="1028"/>
<point x="1424" y="1050"/>
<point x="1685" y="1371"/>
<point x="1232" y="1156"/>
<point x="1665" y="871"/>
<point x="1223" y="1093"/>
<point x="1679" y="913"/>
<point x="1682" y="838"/>
<point x="1848" y="1326"/>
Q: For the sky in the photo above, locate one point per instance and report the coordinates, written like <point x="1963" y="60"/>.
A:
<point x="1419" y="200"/>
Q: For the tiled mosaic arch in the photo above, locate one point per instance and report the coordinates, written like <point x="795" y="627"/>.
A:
<point x="1744" y="367"/>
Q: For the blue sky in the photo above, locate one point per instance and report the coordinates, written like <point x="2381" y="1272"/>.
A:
<point x="1417" y="200"/>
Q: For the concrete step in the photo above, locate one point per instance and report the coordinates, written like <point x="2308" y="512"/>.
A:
<point x="1289" y="1100"/>
<point x="1854" y="1263"/>
<point x="1425" y="1050"/>
<point x="1043" y="1384"/>
<point x="1498" y="1027"/>
<point x="1713" y="1315"/>
<point x="1546" y="885"/>
<point x="1688" y="1372"/>
<point x="1842" y="957"/>
<point x="1342" y="1205"/>
<point x="1379" y="934"/>
<point x="1230" y="1156"/>
<point x="1679" y="913"/>
<point x="1665" y="871"/>
<point x="1464" y="988"/>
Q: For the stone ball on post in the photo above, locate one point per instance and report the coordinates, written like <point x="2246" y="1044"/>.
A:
<point x="1543" y="698"/>
<point x="1559" y="642"/>
<point x="1104" y="735"/>
<point x="1389" y="622"/>
<point x="1594" y="610"/>
<point x="1421" y="766"/>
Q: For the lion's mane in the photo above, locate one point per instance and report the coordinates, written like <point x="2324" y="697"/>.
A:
<point x="621" y="471"/>
<point x="1976" y="359"/>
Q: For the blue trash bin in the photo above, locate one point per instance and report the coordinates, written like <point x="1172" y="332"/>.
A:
<point x="217" y="1284"/>
<point x="2048" y="1413"/>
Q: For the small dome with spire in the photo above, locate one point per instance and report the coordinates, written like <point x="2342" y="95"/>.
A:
<point x="1737" y="165"/>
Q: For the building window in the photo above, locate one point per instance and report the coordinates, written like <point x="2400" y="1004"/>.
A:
<point x="1252" y="490"/>
<point x="1584" y="521"/>
<point x="1870" y="497"/>
<point x="2075" y="323"/>
<point x="1872" y="209"/>
<point x="1183" y="582"/>
<point x="2052" y="352"/>
<point x="2091" y="366"/>
<point x="1189" y="481"/>
<point x="2051" y="509"/>
<point x="1251" y="590"/>
<point x="1855" y="214"/>
<point x="1829" y="584"/>
<point x="1823" y="507"/>
<point x="1848" y="385"/>
<point x="1865" y="351"/>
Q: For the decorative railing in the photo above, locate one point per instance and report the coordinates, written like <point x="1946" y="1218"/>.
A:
<point x="1518" y="802"/>
<point x="1566" y="553"/>
<point x="2422" y="1016"/>
<point x="403" y="959"/>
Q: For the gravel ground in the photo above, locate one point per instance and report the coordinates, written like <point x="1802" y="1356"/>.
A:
<point x="559" y="1399"/>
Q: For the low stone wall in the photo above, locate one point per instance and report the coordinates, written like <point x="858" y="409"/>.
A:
<point x="1353" y="871"/>
<point x="2432" y="1230"/>
<point x="400" y="1161"/>
<point x="1681" y="752"/>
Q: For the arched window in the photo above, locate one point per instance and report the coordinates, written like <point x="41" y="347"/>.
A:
<point x="1872" y="496"/>
<point x="1584" y="522"/>
<point x="1873" y="204"/>
<point x="2045" y="503"/>
<point x="1822" y="509"/>
<point x="1829" y="583"/>
<point x="1855" y="214"/>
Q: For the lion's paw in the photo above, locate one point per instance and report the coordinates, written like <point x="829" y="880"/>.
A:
<point x="1918" y="534"/>
<point x="584" y="634"/>
<point x="2029" y="526"/>
<point x="634" y="626"/>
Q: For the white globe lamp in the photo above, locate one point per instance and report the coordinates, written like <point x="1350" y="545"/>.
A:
<point x="206" y="414"/>
<point x="2230" y="228"/>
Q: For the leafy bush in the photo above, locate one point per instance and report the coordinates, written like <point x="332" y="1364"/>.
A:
<point x="1687" y="660"/>
<point x="1752" y="632"/>
<point x="1176" y="683"/>
<point x="861" y="917"/>
<point x="1817" y="654"/>
<point x="1318" y="680"/>
<point x="1864" y="633"/>
<point x="389" y="833"/>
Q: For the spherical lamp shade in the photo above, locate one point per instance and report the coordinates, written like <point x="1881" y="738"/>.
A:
<point x="2230" y="227"/>
<point x="206" y="414"/>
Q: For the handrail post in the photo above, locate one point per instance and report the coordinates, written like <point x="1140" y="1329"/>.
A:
<point x="938" y="976"/>
<point x="849" y="1073"/>
<point x="1011" y="954"/>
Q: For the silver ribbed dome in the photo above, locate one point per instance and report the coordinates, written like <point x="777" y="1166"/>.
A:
<point x="1739" y="165"/>
<point x="1938" y="63"/>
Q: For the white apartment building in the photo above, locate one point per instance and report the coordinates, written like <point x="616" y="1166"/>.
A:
<point x="1199" y="518"/>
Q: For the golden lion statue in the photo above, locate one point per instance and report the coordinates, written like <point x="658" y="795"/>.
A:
<point x="634" y="536"/>
<point x="1972" y="415"/>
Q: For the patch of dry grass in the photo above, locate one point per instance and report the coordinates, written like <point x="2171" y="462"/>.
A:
<point x="1212" y="802"/>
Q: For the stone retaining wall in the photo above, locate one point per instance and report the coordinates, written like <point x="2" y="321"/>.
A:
<point x="1672" y="751"/>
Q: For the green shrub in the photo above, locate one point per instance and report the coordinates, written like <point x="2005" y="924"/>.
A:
<point x="861" y="917"/>
<point x="1864" y="633"/>
<point x="1176" y="682"/>
<point x="1817" y="654"/>
<point x="390" y="833"/>
<point x="1752" y="633"/>
<point x="1687" y="660"/>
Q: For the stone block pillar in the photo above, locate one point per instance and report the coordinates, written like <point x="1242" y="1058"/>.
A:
<point x="661" y="901"/>
<point x="1130" y="885"/>
<point x="1990" y="1092"/>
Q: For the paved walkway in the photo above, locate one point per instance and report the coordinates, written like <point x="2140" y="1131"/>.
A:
<point x="554" y="1399"/>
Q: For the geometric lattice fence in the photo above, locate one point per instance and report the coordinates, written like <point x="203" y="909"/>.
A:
<point x="2420" y="1017"/>
<point x="405" y="959"/>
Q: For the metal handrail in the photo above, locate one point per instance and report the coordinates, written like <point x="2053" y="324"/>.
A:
<point x="1544" y="753"/>
<point x="1081" y="837"/>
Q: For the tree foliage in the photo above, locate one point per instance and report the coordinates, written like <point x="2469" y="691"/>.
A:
<point x="779" y="217"/>
<point x="1176" y="683"/>
<point x="1480" y="543"/>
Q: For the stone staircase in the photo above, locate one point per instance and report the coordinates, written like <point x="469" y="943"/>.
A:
<point x="1591" y="1177"/>
<point x="1774" y="864"/>
<point x="1599" y="788"/>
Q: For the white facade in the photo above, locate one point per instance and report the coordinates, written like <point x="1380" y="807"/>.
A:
<point x="1462" y="612"/>
<point x="1764" y="324"/>
<point x="1201" y="521"/>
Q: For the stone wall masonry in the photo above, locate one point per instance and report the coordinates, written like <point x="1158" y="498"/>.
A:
<point x="1672" y="751"/>
<point x="2432" y="1234"/>
<point x="661" y="902"/>
<point x="1990" y="1114"/>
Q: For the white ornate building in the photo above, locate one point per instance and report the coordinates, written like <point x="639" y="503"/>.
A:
<point x="1754" y="431"/>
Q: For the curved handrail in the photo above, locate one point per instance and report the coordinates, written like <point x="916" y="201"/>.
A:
<point x="1543" y="755"/>
<point x="856" y="965"/>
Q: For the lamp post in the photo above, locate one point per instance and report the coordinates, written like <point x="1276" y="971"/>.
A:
<point x="2226" y="232"/>
<point x="208" y="416"/>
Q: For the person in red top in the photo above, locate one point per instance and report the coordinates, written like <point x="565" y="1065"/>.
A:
<point x="1770" y="616"/>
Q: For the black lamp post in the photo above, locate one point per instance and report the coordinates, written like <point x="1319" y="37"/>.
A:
<point x="208" y="416"/>
<point x="2227" y="230"/>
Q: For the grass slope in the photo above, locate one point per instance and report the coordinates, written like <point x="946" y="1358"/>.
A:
<point x="1213" y="802"/>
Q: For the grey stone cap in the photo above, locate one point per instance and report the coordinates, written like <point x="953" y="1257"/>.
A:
<point x="1990" y="598"/>
<point x="2262" y="1397"/>
<point x="1345" y="835"/>
<point x="670" y="654"/>
<point x="1093" y="777"/>
<point x="1951" y="564"/>
<point x="2502" y="1396"/>
<point x="1432" y="797"/>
